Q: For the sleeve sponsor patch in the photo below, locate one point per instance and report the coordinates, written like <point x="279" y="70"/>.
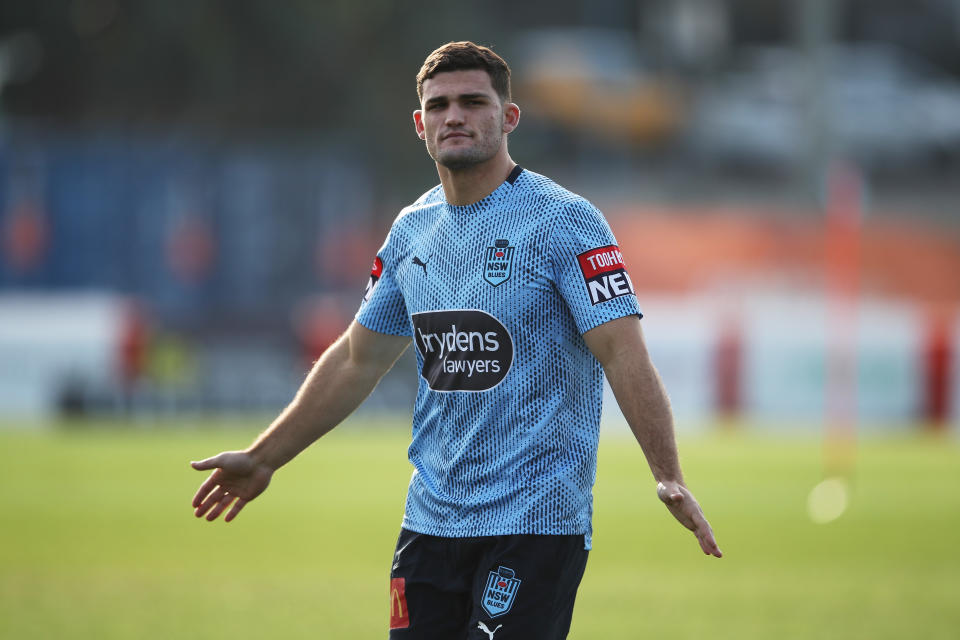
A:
<point x="375" y="273"/>
<point x="604" y="273"/>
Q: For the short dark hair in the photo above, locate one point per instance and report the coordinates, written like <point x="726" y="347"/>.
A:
<point x="463" y="56"/>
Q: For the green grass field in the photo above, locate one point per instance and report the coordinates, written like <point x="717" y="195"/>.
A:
<point x="99" y="540"/>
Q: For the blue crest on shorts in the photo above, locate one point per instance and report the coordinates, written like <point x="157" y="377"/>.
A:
<point x="500" y="592"/>
<point x="498" y="262"/>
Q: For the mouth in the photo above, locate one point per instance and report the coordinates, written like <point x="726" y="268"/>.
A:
<point x="455" y="134"/>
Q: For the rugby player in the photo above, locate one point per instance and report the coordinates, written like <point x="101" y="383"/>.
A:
<point x="517" y="299"/>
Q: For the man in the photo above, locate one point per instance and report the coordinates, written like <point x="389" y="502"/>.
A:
<point x="515" y="294"/>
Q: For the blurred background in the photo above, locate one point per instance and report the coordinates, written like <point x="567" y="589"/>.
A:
<point x="191" y="192"/>
<point x="191" y="195"/>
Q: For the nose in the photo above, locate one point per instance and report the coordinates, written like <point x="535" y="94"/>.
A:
<point x="454" y="115"/>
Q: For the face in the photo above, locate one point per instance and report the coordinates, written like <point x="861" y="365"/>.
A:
<point x="462" y="119"/>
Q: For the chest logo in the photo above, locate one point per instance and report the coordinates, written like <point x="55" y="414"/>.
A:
<point x="498" y="262"/>
<point x="420" y="263"/>
<point x="462" y="349"/>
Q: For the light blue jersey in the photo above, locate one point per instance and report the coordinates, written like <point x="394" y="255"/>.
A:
<point x="496" y="296"/>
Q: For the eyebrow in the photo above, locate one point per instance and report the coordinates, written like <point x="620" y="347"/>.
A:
<point x="462" y="96"/>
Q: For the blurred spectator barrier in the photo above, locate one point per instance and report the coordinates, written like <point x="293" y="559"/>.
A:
<point x="766" y="359"/>
<point x="62" y="351"/>
<point x="740" y="318"/>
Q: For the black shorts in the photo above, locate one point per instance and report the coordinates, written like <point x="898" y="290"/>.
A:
<point x="486" y="588"/>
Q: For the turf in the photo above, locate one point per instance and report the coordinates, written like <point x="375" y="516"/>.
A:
<point x="98" y="540"/>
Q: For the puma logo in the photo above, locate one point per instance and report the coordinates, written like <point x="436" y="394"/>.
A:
<point x="420" y="263"/>
<point x="487" y="631"/>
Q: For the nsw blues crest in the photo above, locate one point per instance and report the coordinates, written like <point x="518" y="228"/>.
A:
<point x="500" y="592"/>
<point x="498" y="262"/>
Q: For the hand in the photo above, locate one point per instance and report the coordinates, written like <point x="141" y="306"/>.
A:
<point x="236" y="476"/>
<point x="686" y="510"/>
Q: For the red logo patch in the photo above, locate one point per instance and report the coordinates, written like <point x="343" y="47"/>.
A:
<point x="399" y="614"/>
<point x="604" y="273"/>
<point x="375" y="272"/>
<point x="601" y="260"/>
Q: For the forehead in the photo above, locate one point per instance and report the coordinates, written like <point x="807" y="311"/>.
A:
<point x="454" y="83"/>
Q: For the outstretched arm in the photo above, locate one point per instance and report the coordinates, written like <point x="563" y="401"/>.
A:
<point x="340" y="380"/>
<point x="620" y="348"/>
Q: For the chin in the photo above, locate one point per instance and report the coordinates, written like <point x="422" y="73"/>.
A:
<point x="457" y="164"/>
<point x="457" y="161"/>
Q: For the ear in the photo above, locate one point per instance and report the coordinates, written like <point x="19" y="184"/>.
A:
<point x="511" y="117"/>
<point x="418" y="123"/>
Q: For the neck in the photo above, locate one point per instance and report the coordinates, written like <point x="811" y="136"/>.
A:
<point x="465" y="186"/>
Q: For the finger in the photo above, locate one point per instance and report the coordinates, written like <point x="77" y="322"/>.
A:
<point x="699" y="524"/>
<point x="715" y="550"/>
<point x="219" y="507"/>
<point x="207" y="486"/>
<point x="210" y="501"/>
<point x="709" y="544"/>
<point x="209" y="463"/>
<point x="704" y="533"/>
<point x="235" y="510"/>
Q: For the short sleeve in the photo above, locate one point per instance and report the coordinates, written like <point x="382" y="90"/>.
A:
<point x="383" y="308"/>
<point x="589" y="269"/>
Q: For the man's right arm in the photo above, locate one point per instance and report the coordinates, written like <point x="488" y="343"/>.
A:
<point x="340" y="380"/>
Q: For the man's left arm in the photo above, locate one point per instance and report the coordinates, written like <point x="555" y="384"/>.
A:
<point x="620" y="348"/>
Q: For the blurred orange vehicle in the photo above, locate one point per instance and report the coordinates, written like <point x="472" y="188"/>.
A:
<point x="594" y="80"/>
